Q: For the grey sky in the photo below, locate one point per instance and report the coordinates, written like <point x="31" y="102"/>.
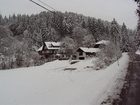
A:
<point x="122" y="10"/>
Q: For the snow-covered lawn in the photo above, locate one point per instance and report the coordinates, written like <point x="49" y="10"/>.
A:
<point x="138" y="52"/>
<point x="49" y="84"/>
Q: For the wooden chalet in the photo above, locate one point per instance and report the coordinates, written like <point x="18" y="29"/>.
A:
<point x="101" y="44"/>
<point x="49" y="49"/>
<point x="84" y="52"/>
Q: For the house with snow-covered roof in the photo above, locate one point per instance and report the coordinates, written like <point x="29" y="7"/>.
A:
<point x="101" y="44"/>
<point x="84" y="52"/>
<point x="49" y="48"/>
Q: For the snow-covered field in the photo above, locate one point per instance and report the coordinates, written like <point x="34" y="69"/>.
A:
<point x="138" y="52"/>
<point x="49" y="84"/>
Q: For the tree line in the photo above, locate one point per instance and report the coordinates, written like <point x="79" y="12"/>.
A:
<point x="21" y="35"/>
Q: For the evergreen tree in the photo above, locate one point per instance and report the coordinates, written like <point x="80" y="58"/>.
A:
<point x="73" y="29"/>
<point x="107" y="33"/>
<point x="92" y="26"/>
<point x="137" y="37"/>
<point x="83" y="24"/>
<point x="115" y="32"/>
<point x="100" y="29"/>
<point x="1" y="20"/>
<point x="115" y="38"/>
<point x="124" y="38"/>
<point x="78" y="35"/>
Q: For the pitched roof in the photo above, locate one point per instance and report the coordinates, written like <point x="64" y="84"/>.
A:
<point x="51" y="45"/>
<point x="105" y="42"/>
<point x="90" y="50"/>
<point x="40" y="49"/>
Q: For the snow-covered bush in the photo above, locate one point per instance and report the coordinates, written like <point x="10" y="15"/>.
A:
<point x="98" y="64"/>
<point x="107" y="56"/>
<point x="67" y="46"/>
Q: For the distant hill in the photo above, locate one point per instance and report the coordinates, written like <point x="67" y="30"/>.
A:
<point x="22" y="34"/>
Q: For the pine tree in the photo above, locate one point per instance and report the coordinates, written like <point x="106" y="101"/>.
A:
<point x="107" y="33"/>
<point x="83" y="24"/>
<point x="124" y="38"/>
<point x="115" y="38"/>
<point x="100" y="30"/>
<point x="115" y="32"/>
<point x="137" y="37"/>
<point x="1" y="20"/>
<point x="92" y="26"/>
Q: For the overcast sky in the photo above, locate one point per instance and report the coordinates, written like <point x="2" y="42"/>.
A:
<point x="122" y="10"/>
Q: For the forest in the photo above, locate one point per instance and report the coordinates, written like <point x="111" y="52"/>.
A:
<point x="22" y="35"/>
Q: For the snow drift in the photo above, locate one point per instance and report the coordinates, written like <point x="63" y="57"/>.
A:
<point x="49" y="84"/>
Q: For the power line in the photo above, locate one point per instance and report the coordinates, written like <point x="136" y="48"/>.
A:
<point x="47" y="5"/>
<point x="42" y="6"/>
<point x="54" y="12"/>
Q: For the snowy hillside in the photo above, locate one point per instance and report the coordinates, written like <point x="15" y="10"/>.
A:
<point x="138" y="52"/>
<point x="49" y="84"/>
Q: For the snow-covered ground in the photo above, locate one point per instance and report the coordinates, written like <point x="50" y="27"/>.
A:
<point x="138" y="52"/>
<point x="49" y="84"/>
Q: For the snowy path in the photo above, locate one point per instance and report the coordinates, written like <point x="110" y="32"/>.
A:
<point x="51" y="85"/>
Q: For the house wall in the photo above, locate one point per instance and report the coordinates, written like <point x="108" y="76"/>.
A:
<point x="80" y="56"/>
<point x="77" y="55"/>
<point x="96" y="45"/>
<point x="84" y="55"/>
<point x="89" y="55"/>
<point x="100" y="46"/>
<point x="50" y="51"/>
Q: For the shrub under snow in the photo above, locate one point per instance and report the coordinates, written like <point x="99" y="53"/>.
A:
<point x="107" y="56"/>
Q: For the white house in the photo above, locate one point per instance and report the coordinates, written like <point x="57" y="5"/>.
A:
<point x="84" y="52"/>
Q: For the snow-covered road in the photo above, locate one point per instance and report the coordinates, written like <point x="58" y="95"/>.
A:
<point x="49" y="84"/>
